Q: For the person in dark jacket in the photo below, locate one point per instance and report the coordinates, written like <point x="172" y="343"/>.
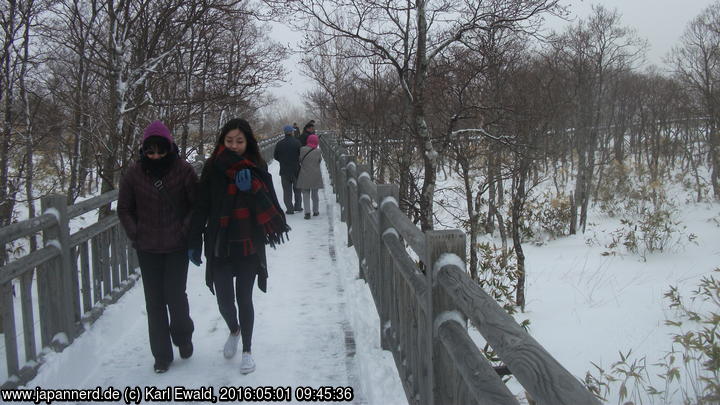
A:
<point x="286" y="153"/>
<point x="296" y="130"/>
<point x="308" y="130"/>
<point x="237" y="213"/>
<point x="155" y="203"/>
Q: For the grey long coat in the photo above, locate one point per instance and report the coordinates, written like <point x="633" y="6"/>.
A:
<point x="310" y="176"/>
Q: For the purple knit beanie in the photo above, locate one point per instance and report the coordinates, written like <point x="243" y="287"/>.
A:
<point x="157" y="128"/>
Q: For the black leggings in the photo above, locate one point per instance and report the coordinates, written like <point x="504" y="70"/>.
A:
<point x="242" y="317"/>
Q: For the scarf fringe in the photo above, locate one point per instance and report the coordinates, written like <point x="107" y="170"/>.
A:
<point x="274" y="237"/>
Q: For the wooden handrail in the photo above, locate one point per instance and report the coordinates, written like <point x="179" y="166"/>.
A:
<point x="424" y="313"/>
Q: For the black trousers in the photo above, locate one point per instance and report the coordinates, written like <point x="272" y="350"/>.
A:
<point x="164" y="282"/>
<point x="227" y="293"/>
<point x="288" y="185"/>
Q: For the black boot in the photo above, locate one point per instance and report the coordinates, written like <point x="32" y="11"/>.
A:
<point x="186" y="350"/>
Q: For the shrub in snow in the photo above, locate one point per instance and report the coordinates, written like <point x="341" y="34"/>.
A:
<point x="629" y="190"/>
<point x="693" y="182"/>
<point x="498" y="277"/>
<point x="689" y="373"/>
<point x="498" y="274"/>
<point x="615" y="189"/>
<point x="545" y="217"/>
<point x="627" y="378"/>
<point x="652" y="230"/>
<point x="715" y="220"/>
<point x="694" y="360"/>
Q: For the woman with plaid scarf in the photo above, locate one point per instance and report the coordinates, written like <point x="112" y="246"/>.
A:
<point x="237" y="214"/>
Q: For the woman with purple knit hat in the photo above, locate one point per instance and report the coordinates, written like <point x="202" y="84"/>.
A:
<point x="155" y="203"/>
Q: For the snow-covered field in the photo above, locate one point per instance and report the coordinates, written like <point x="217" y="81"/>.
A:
<point x="586" y="306"/>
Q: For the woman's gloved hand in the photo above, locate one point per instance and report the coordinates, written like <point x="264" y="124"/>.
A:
<point x="243" y="180"/>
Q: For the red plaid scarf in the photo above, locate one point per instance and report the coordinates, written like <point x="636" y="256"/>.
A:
<point x="243" y="212"/>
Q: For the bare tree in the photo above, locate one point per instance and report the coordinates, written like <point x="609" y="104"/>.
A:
<point x="697" y="66"/>
<point x="408" y="36"/>
<point x="592" y="53"/>
<point x="28" y="15"/>
<point x="10" y="28"/>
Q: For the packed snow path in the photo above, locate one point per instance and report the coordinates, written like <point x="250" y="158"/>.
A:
<point x="303" y="336"/>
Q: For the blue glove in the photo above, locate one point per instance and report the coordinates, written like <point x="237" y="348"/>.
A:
<point x="194" y="256"/>
<point x="243" y="180"/>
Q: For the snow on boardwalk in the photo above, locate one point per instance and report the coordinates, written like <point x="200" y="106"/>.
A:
<point x="304" y="327"/>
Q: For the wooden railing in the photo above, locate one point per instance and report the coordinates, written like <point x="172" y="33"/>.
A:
<point x="68" y="282"/>
<point x="424" y="299"/>
<point x="75" y="276"/>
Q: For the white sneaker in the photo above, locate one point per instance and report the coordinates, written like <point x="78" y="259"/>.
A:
<point x="231" y="346"/>
<point x="247" y="364"/>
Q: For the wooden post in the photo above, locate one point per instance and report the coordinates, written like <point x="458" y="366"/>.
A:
<point x="362" y="239"/>
<point x="385" y="261"/>
<point x="96" y="269"/>
<point x="350" y="202"/>
<point x="75" y="282"/>
<point x="8" y="318"/>
<point x="62" y="284"/>
<point x="46" y="304"/>
<point x="114" y="258"/>
<point x="342" y="188"/>
<point x="437" y="244"/>
<point x="106" y="264"/>
<point x="335" y="158"/>
<point x="85" y="270"/>
<point x="28" y="316"/>
<point x="122" y="252"/>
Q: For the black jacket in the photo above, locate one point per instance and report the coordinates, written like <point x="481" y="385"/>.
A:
<point x="205" y="223"/>
<point x="154" y="222"/>
<point x="287" y="153"/>
<point x="304" y="136"/>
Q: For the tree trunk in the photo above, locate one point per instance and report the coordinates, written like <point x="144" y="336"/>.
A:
<point x="424" y="143"/>
<point x="115" y="106"/>
<point x="77" y="169"/>
<point x="503" y="237"/>
<point x="29" y="138"/>
<point x="518" y="201"/>
<point x="473" y="215"/>
<point x="6" y="203"/>
<point x="491" y="169"/>
<point x="578" y="196"/>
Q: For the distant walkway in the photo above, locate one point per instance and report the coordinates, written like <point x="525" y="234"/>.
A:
<point x="301" y="337"/>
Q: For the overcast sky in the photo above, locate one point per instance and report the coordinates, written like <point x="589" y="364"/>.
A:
<point x="661" y="22"/>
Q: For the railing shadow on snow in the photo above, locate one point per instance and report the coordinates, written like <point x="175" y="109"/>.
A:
<point x="68" y="282"/>
<point x="424" y="314"/>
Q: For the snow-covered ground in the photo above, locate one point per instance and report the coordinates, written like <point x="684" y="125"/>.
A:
<point x="586" y="306"/>
<point x="316" y="326"/>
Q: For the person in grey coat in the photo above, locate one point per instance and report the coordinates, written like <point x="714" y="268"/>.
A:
<point x="310" y="179"/>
